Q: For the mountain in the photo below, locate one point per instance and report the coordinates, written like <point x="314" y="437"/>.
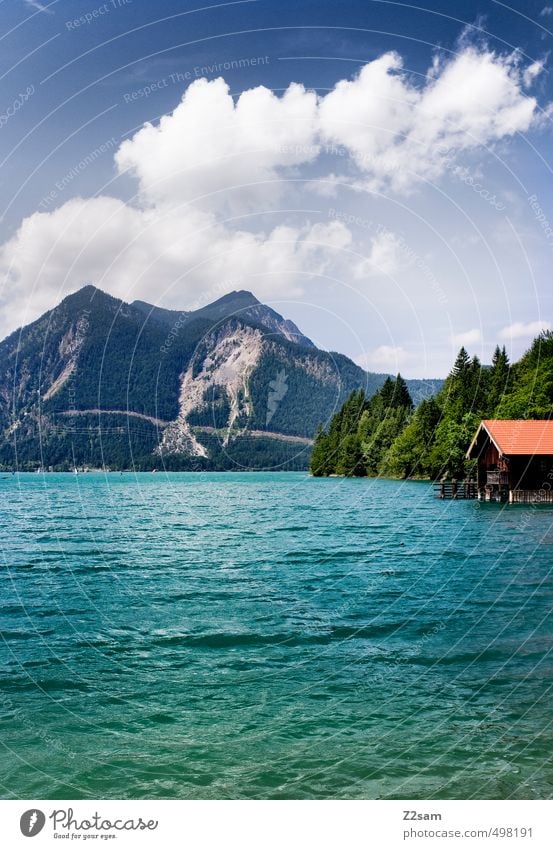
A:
<point x="97" y="381"/>
<point x="241" y="304"/>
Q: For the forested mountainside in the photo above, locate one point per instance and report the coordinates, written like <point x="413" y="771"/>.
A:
<point x="386" y="435"/>
<point x="97" y="381"/>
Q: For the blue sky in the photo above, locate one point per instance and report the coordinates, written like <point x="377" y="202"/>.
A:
<point x="377" y="171"/>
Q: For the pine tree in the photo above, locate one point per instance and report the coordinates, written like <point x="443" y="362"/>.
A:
<point x="351" y="412"/>
<point x="385" y="395"/>
<point x="478" y="385"/>
<point x="530" y="385"/>
<point x="350" y="457"/>
<point x="338" y="450"/>
<point x="408" y="455"/>
<point x="499" y="379"/>
<point x="320" y="456"/>
<point x="458" y="388"/>
<point x="462" y="364"/>
<point x="402" y="397"/>
<point x="362" y="431"/>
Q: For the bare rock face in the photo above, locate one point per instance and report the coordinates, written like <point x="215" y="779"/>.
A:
<point x="69" y="348"/>
<point x="277" y="324"/>
<point x="224" y="360"/>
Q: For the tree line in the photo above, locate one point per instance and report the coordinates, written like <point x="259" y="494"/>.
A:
<point x="385" y="435"/>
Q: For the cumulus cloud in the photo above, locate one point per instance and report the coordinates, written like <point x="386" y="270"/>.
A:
<point x="519" y="330"/>
<point x="215" y="158"/>
<point x="384" y="256"/>
<point x="221" y="153"/>
<point x="145" y="253"/>
<point x="467" y="337"/>
<point x="394" y="131"/>
<point x="388" y="358"/>
<point x="398" y="133"/>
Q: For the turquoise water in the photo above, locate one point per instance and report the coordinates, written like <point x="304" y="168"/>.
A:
<point x="271" y="636"/>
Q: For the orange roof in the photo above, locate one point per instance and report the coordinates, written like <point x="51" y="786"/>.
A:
<point x="519" y="436"/>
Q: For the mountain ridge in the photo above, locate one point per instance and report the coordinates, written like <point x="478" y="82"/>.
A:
<point x="240" y="303"/>
<point x="217" y="387"/>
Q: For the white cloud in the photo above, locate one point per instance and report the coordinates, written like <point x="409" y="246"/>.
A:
<point x="398" y="133"/>
<point x="547" y="10"/>
<point x="215" y="157"/>
<point x="384" y="358"/>
<point x="225" y="153"/>
<point x="222" y="154"/>
<point x="519" y="330"/>
<point x="468" y="337"/>
<point x="532" y="71"/>
<point x="326" y="187"/>
<point x="384" y="256"/>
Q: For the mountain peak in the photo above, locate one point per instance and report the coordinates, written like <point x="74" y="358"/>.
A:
<point x="88" y="294"/>
<point x="239" y="299"/>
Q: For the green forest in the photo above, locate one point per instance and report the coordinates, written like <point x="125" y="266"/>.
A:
<point x="385" y="435"/>
<point x="119" y="442"/>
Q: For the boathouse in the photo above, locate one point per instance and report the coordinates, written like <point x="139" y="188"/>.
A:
<point x="515" y="460"/>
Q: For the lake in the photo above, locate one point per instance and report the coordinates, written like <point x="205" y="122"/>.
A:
<point x="271" y="635"/>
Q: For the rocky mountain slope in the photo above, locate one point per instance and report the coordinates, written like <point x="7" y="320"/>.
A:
<point x="97" y="381"/>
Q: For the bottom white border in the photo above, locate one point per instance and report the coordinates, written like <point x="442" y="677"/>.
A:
<point x="268" y="824"/>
